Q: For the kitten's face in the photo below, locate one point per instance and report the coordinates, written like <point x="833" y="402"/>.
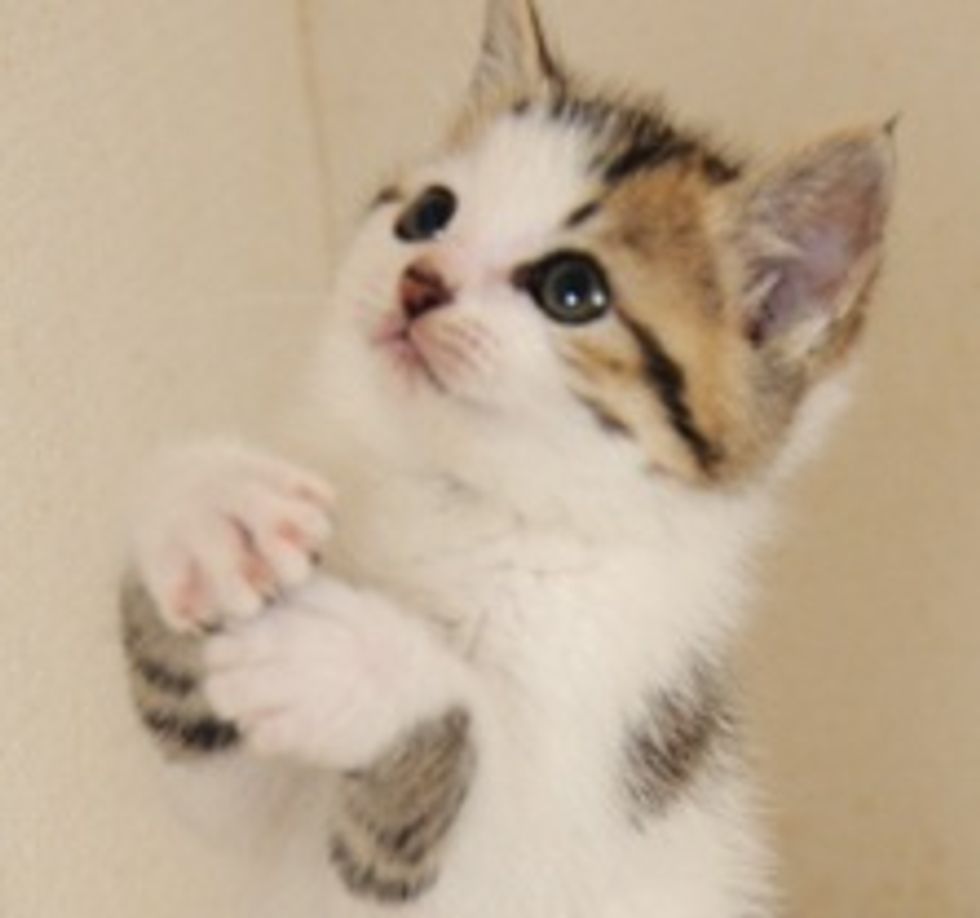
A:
<point x="572" y="262"/>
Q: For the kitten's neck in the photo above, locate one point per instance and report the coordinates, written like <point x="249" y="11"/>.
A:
<point x="585" y="488"/>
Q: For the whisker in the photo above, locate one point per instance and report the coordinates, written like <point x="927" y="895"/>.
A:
<point x="457" y="353"/>
<point x="471" y="337"/>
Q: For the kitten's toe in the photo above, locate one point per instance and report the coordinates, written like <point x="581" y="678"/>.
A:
<point x="287" y="533"/>
<point x="300" y="681"/>
<point x="237" y="578"/>
<point x="228" y="533"/>
<point x="179" y="587"/>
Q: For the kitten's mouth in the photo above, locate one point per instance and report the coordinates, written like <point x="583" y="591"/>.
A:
<point x="395" y="338"/>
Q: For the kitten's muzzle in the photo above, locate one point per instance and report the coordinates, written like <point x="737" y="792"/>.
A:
<point x="423" y="289"/>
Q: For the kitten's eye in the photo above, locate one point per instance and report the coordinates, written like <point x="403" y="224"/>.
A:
<point x="427" y="216"/>
<point x="570" y="287"/>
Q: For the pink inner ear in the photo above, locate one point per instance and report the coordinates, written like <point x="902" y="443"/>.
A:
<point x="806" y="284"/>
<point x="827" y="257"/>
<point x="831" y="211"/>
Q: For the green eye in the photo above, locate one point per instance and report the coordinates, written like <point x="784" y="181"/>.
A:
<point x="427" y="216"/>
<point x="570" y="287"/>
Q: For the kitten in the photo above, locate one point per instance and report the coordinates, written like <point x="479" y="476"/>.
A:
<point x="480" y="627"/>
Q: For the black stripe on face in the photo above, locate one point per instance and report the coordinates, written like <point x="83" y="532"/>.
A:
<point x="201" y="734"/>
<point x="653" y="147"/>
<point x="582" y="214"/>
<point x="608" y="421"/>
<point x="593" y="115"/>
<point x="632" y="137"/>
<point x="669" y="382"/>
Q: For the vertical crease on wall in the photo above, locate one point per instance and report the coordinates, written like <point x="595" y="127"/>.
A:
<point x="316" y="109"/>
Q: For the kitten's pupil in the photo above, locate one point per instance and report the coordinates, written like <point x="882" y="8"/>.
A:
<point x="570" y="287"/>
<point x="427" y="216"/>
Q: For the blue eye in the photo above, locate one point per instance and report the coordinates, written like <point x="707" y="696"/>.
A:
<point x="569" y="287"/>
<point x="427" y="216"/>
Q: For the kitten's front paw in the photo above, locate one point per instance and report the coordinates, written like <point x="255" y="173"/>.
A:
<point x="225" y="531"/>
<point x="321" y="678"/>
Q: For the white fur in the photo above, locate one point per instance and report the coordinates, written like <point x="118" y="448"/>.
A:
<point x="211" y="531"/>
<point x="500" y="552"/>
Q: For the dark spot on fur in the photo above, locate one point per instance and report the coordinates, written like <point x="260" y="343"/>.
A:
<point x="396" y="816"/>
<point x="634" y="137"/>
<point x="646" y="154"/>
<point x="581" y="214"/>
<point x="390" y="194"/>
<point x="202" y="734"/>
<point x="366" y="879"/>
<point x="164" y="679"/>
<point x="591" y="114"/>
<point x="681" y="729"/>
<point x="165" y="670"/>
<point x="720" y="171"/>
<point x="605" y="418"/>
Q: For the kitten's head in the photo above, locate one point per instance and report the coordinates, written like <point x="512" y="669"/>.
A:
<point x="576" y="262"/>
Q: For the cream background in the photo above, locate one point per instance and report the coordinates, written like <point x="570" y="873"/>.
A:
<point x="171" y="177"/>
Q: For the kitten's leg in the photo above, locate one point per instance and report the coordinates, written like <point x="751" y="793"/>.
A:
<point x="166" y="675"/>
<point x="394" y="819"/>
<point x="357" y="684"/>
<point x="332" y="675"/>
<point x="341" y="677"/>
<point x="224" y="531"/>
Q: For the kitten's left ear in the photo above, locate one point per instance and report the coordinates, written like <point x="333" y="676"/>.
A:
<point x="809" y="233"/>
<point x="514" y="52"/>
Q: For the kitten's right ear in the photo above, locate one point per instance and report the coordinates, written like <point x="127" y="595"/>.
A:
<point x="514" y="53"/>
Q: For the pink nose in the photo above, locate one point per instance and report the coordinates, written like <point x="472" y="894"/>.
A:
<point x="423" y="289"/>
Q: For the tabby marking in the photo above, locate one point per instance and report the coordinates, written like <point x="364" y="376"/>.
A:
<point x="397" y="815"/>
<point x="165" y="672"/>
<point x="681" y="731"/>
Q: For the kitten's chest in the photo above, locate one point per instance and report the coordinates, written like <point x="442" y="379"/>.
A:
<point x="484" y="572"/>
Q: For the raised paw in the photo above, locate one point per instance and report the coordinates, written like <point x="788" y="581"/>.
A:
<point x="225" y="531"/>
<point x="326" y="678"/>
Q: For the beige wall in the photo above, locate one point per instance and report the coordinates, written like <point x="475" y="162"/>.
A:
<point x="163" y="236"/>
<point x="160" y="241"/>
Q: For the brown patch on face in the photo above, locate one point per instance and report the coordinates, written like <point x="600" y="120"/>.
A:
<point x="671" y="366"/>
<point x="672" y="222"/>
